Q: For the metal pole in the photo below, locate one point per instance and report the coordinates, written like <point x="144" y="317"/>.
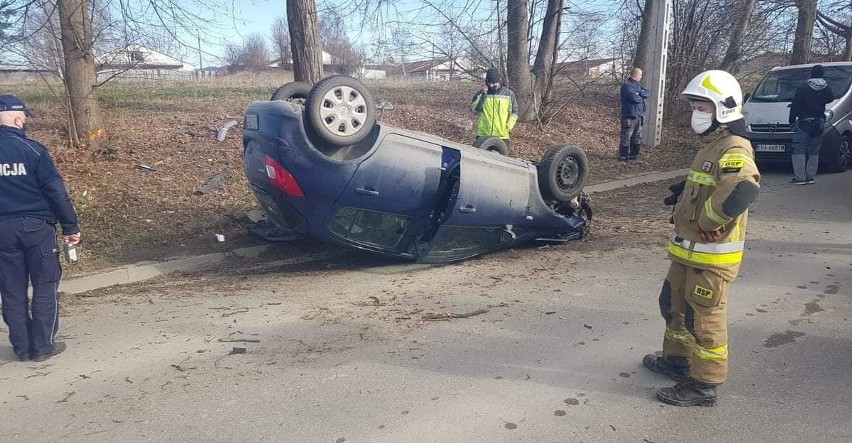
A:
<point x="655" y="77"/>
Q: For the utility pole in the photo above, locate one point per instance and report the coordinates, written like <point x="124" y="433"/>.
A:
<point x="656" y="72"/>
<point x="200" y="62"/>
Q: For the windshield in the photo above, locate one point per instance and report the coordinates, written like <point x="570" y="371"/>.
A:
<point x="780" y="86"/>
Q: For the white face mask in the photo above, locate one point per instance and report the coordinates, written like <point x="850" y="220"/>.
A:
<point x="701" y="121"/>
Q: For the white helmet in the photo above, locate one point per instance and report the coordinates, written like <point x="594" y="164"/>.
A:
<point x="720" y="88"/>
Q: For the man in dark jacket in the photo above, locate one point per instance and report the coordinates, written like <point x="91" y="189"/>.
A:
<point x="633" y="96"/>
<point x="33" y="199"/>
<point x="807" y="117"/>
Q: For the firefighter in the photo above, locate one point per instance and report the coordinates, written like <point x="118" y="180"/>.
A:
<point x="707" y="246"/>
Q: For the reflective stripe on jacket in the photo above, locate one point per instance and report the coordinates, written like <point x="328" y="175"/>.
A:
<point x="721" y="184"/>
<point x="498" y="112"/>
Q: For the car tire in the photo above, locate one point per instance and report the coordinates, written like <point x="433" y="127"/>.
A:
<point x="841" y="155"/>
<point x="491" y="144"/>
<point x="562" y="173"/>
<point x="341" y="110"/>
<point x="291" y="91"/>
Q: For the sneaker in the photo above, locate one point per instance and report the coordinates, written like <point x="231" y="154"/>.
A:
<point x="58" y="348"/>
<point x="809" y="181"/>
<point x="688" y="393"/>
<point x="796" y="181"/>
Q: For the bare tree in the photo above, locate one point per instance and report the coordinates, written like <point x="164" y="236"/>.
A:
<point x="281" y="41"/>
<point x="518" y="58"/>
<point x="305" y="40"/>
<point x="804" y="31"/>
<point x="548" y="47"/>
<point x="735" y="45"/>
<point x="80" y="74"/>
<point x="251" y="54"/>
<point x="640" y="59"/>
<point x="838" y="26"/>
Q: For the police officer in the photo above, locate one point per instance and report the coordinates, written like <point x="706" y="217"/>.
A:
<point x="33" y="199"/>
<point x="707" y="246"/>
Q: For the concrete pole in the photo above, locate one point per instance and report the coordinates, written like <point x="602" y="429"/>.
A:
<point x="655" y="74"/>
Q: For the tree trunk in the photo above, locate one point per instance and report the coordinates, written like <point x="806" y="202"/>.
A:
<point x="640" y="60"/>
<point x="85" y="125"/>
<point x="732" y="55"/>
<point x="304" y="40"/>
<point x="518" y="58"/>
<point x="804" y="32"/>
<point x="545" y="57"/>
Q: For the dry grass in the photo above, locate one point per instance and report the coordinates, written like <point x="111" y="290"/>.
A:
<point x="128" y="214"/>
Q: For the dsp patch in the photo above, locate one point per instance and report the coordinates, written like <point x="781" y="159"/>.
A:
<point x="703" y="292"/>
<point x="732" y="165"/>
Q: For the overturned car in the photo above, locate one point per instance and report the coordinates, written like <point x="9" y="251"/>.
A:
<point x="322" y="166"/>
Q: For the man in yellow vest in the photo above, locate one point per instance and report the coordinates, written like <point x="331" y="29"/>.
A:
<point x="707" y="246"/>
<point x="497" y="108"/>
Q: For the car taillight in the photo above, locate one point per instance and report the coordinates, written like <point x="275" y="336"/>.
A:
<point x="282" y="178"/>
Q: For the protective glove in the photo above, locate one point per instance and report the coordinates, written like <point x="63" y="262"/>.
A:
<point x="676" y="189"/>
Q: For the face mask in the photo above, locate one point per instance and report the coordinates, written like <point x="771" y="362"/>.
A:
<point x="701" y="121"/>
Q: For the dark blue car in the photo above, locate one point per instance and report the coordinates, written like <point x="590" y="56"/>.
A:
<point x="323" y="167"/>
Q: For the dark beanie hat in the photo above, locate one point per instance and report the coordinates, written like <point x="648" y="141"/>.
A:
<point x="817" y="71"/>
<point x="492" y="76"/>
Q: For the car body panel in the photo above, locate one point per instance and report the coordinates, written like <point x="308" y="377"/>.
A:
<point x="400" y="193"/>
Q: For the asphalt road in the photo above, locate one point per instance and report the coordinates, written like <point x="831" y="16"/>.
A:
<point x="328" y="352"/>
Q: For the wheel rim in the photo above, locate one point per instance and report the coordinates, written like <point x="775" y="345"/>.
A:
<point x="343" y="111"/>
<point x="568" y="173"/>
<point x="843" y="152"/>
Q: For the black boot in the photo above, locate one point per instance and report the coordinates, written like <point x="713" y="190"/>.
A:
<point x="675" y="367"/>
<point x="688" y="393"/>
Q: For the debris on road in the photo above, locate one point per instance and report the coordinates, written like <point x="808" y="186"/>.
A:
<point x="213" y="183"/>
<point x="447" y="316"/>
<point x="146" y="168"/>
<point x="239" y="340"/>
<point x="235" y="351"/>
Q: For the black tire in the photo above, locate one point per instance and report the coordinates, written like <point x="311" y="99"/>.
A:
<point x="491" y="144"/>
<point x="341" y="110"/>
<point x="841" y="156"/>
<point x="562" y="173"/>
<point x="292" y="92"/>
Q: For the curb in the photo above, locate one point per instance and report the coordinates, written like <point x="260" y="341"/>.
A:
<point x="142" y="272"/>
<point x="137" y="273"/>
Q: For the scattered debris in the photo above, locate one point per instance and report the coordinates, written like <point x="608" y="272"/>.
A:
<point x="214" y="182"/>
<point x="146" y="168"/>
<point x="238" y="311"/>
<point x="220" y="238"/>
<point x="222" y="132"/>
<point x="586" y="326"/>
<point x="270" y="232"/>
<point x="67" y="396"/>
<point x="447" y="316"/>
<point x="239" y="340"/>
<point x="237" y="351"/>
<point x="256" y="216"/>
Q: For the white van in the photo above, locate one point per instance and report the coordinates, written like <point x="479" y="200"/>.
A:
<point x="767" y="112"/>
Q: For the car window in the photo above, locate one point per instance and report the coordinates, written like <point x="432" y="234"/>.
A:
<point x="372" y="228"/>
<point x="780" y="86"/>
<point x="458" y="242"/>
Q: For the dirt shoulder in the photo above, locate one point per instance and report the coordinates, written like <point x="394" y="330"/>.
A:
<point x="136" y="193"/>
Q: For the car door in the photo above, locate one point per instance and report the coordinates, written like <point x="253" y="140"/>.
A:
<point x="390" y="196"/>
<point x="493" y="194"/>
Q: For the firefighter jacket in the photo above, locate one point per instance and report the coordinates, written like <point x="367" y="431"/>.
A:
<point x="498" y="112"/>
<point x="722" y="183"/>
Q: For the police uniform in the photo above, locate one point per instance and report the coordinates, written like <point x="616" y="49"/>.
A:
<point x="33" y="199"/>
<point x="722" y="182"/>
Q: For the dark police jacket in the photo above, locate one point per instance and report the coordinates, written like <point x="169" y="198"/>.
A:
<point x="810" y="100"/>
<point x="633" y="96"/>
<point x="30" y="185"/>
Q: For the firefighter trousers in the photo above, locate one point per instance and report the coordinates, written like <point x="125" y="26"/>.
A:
<point x="694" y="303"/>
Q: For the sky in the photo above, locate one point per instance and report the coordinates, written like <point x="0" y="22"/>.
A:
<point x="257" y="16"/>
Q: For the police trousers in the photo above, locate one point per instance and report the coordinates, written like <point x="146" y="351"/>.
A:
<point x="694" y="303"/>
<point x="29" y="254"/>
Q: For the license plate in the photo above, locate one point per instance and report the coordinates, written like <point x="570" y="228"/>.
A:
<point x="770" y="148"/>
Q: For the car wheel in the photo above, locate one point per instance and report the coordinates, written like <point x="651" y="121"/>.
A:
<point x="841" y="155"/>
<point x="296" y="92"/>
<point x="341" y="110"/>
<point x="491" y="144"/>
<point x="562" y="173"/>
